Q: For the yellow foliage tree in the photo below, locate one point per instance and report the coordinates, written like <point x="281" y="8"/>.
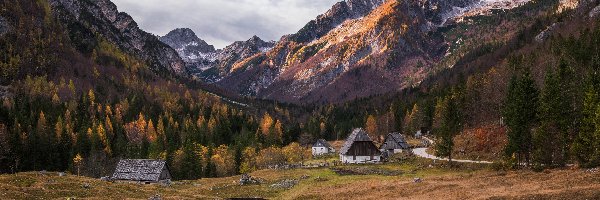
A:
<point x="77" y="161"/>
<point x="372" y="128"/>
<point x="266" y="123"/>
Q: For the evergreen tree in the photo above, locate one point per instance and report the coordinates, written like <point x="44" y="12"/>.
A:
<point x="586" y="145"/>
<point x="450" y="126"/>
<point x="549" y="139"/>
<point x="520" y="111"/>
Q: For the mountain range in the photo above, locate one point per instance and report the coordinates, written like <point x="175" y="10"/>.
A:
<point x="356" y="49"/>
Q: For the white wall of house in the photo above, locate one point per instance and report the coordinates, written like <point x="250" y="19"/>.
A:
<point x="359" y="159"/>
<point x="317" y="151"/>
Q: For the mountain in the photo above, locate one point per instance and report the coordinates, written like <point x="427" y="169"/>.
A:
<point x="85" y="19"/>
<point x="356" y="49"/>
<point x="207" y="63"/>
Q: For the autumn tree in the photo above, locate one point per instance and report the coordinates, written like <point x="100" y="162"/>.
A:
<point x="372" y="127"/>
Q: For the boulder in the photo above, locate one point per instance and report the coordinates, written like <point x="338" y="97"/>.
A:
<point x="285" y="184"/>
<point x="246" y="179"/>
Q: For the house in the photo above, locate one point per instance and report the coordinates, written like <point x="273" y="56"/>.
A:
<point x="359" y="148"/>
<point x="394" y="143"/>
<point x="322" y="147"/>
<point x="140" y="170"/>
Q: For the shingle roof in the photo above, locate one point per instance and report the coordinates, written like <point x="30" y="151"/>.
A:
<point x="322" y="143"/>
<point x="357" y="135"/>
<point x="394" y="141"/>
<point x="139" y="170"/>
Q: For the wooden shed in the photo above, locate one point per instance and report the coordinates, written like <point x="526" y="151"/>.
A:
<point x="142" y="170"/>
<point x="394" y="143"/>
<point x="359" y="148"/>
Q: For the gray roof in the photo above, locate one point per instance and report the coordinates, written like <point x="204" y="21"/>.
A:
<point x="394" y="141"/>
<point x="357" y="135"/>
<point x="139" y="170"/>
<point x="322" y="143"/>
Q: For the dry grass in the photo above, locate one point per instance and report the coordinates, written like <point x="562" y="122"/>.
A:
<point x="464" y="182"/>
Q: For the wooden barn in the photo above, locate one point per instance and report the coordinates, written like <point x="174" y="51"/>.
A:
<point x="394" y="143"/>
<point x="141" y="170"/>
<point x="322" y="147"/>
<point x="359" y="148"/>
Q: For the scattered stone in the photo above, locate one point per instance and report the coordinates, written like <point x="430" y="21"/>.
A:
<point x="303" y="177"/>
<point x="155" y="197"/>
<point x="595" y="12"/>
<point x="249" y="180"/>
<point x="61" y="174"/>
<point x="285" y="184"/>
<point x="418" y="180"/>
<point x="165" y="183"/>
<point x="592" y="170"/>
<point x="321" y="179"/>
<point x="105" y="178"/>
<point x="4" y="26"/>
<point x="86" y="186"/>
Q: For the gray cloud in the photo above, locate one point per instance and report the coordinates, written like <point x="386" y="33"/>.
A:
<point x="221" y="22"/>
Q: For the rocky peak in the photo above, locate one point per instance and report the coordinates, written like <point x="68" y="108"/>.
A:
<point x="340" y="12"/>
<point x="101" y="17"/>
<point x="184" y="39"/>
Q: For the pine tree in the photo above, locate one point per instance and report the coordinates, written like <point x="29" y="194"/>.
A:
<point x="520" y="111"/>
<point x="549" y="139"/>
<point x="449" y="127"/>
<point x="585" y="147"/>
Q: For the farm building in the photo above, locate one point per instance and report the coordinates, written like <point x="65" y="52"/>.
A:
<point x="140" y="170"/>
<point x="322" y="147"/>
<point x="394" y="143"/>
<point x="359" y="148"/>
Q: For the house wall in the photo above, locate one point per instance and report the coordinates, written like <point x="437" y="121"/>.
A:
<point x="165" y="174"/>
<point x="359" y="159"/>
<point x="316" y="151"/>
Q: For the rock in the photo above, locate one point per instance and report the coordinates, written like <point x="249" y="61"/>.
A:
<point x="105" y="178"/>
<point x="321" y="179"/>
<point x="166" y="183"/>
<point x="285" y="184"/>
<point x="61" y="174"/>
<point x="249" y="180"/>
<point x="155" y="197"/>
<point x="418" y="180"/>
<point x="4" y="26"/>
<point x="86" y="186"/>
<point x="304" y="177"/>
<point x="546" y="33"/>
<point x="594" y="12"/>
<point x="593" y="170"/>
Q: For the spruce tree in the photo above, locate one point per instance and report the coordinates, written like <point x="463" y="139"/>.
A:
<point x="549" y="139"/>
<point x="450" y="126"/>
<point x="520" y="111"/>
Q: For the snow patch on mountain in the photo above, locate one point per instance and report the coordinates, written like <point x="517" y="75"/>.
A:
<point x="483" y="7"/>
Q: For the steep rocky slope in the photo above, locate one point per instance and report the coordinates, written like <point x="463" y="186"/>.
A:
<point x="356" y="49"/>
<point x="86" y="19"/>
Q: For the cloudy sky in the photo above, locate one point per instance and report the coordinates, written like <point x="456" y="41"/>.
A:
<point x="221" y="22"/>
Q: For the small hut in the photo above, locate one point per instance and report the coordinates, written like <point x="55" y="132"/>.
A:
<point x="359" y="148"/>
<point x="141" y="170"/>
<point x="322" y="147"/>
<point x="394" y="143"/>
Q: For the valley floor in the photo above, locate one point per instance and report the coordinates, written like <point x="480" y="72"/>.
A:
<point x="387" y="181"/>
